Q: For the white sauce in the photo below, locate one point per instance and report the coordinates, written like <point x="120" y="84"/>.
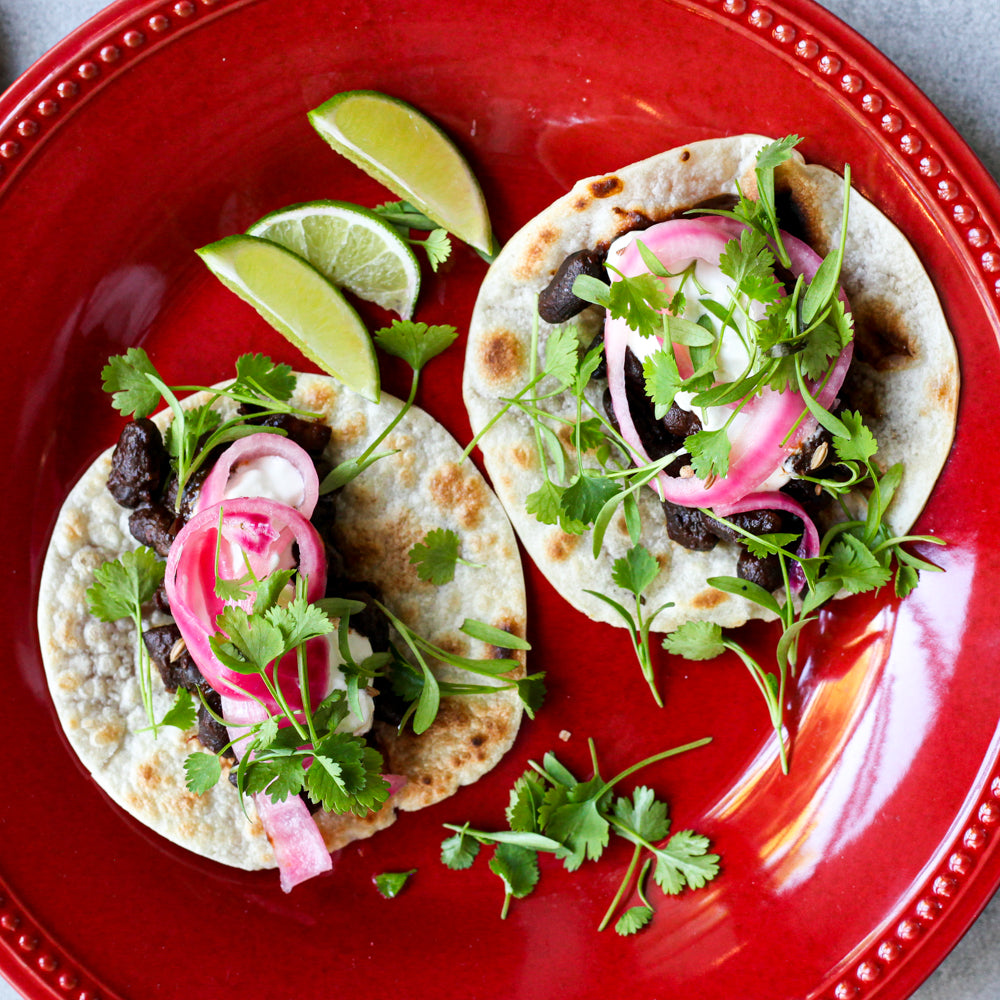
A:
<point x="268" y="476"/>
<point x="272" y="478"/>
<point x="360" y="649"/>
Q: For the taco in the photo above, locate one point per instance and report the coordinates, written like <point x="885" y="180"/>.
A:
<point x="902" y="375"/>
<point x="369" y="528"/>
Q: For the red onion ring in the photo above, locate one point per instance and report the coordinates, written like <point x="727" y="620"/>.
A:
<point x="265" y="529"/>
<point x="256" y="446"/>
<point x="762" y="441"/>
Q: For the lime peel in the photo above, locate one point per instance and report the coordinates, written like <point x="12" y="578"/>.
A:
<point x="301" y="304"/>
<point x="401" y="148"/>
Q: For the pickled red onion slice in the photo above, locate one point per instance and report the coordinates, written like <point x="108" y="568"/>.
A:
<point x="268" y="530"/>
<point x="776" y="500"/>
<point x="254" y="451"/>
<point x="298" y="845"/>
<point x="761" y="441"/>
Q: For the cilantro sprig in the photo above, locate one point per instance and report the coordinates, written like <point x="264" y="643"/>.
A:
<point x="403" y="217"/>
<point x="120" y="589"/>
<point x="417" y="344"/>
<point x="551" y="811"/>
<point x="137" y="388"/>
<point x="634" y="572"/>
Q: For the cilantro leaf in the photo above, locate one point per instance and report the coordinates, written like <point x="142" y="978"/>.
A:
<point x="278" y="774"/>
<point x="346" y="775"/>
<point x="684" y="860"/>
<point x="436" y="556"/>
<point x="182" y="714"/>
<point x="459" y="851"/>
<point x="639" y="300"/>
<point x="854" y="564"/>
<point x="390" y="884"/>
<point x="202" y="771"/>
<point x="696" y="640"/>
<point x="259" y="374"/>
<point x="633" y="920"/>
<point x="122" y="584"/>
<point x="583" y="499"/>
<point x="437" y="246"/>
<point x="518" y="870"/>
<point x="709" y="451"/>
<point x="636" y="570"/>
<point x="124" y="377"/>
<point x="662" y="379"/>
<point x="415" y="343"/>
<point x="525" y="801"/>
<point x="643" y="815"/>
<point x="861" y="446"/>
<point x="562" y="355"/>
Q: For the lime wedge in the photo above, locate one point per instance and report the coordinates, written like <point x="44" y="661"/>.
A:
<point x="410" y="155"/>
<point x="299" y="303"/>
<point x="354" y="247"/>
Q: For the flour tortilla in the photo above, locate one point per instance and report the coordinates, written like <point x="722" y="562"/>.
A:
<point x="90" y="665"/>
<point x="905" y="376"/>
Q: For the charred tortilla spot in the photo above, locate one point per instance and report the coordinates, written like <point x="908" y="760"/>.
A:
<point x="685" y="155"/>
<point x="605" y="187"/>
<point x="463" y="495"/>
<point x="580" y="204"/>
<point x="351" y="431"/>
<point x="559" y="546"/>
<point x="880" y="339"/>
<point x="522" y="456"/>
<point x="380" y="552"/>
<point x="501" y="358"/>
<point x="708" y="599"/>
<point x="800" y="207"/>
<point x="536" y="254"/>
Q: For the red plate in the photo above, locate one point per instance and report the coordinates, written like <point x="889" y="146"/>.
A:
<point x="159" y="127"/>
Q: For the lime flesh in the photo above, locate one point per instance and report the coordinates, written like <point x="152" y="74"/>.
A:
<point x="301" y="304"/>
<point x="402" y="149"/>
<point x="352" y="246"/>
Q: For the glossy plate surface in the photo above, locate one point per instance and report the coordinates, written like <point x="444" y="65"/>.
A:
<point x="159" y="127"/>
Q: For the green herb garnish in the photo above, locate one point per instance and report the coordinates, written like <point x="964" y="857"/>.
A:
<point x="551" y="811"/>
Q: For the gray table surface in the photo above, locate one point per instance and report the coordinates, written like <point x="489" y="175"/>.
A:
<point x="951" y="50"/>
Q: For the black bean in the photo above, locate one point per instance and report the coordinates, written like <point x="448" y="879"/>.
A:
<point x="765" y="572"/>
<point x="556" y="302"/>
<point x="689" y="527"/>
<point x="161" y="641"/>
<point x="155" y="525"/>
<point x="138" y="463"/>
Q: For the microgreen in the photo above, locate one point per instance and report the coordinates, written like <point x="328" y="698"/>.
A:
<point x="551" y="811"/>
<point x="634" y="572"/>
<point x="415" y="681"/>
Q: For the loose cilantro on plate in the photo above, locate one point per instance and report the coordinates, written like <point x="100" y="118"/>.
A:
<point x="390" y="884"/>
<point x="551" y="811"/>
